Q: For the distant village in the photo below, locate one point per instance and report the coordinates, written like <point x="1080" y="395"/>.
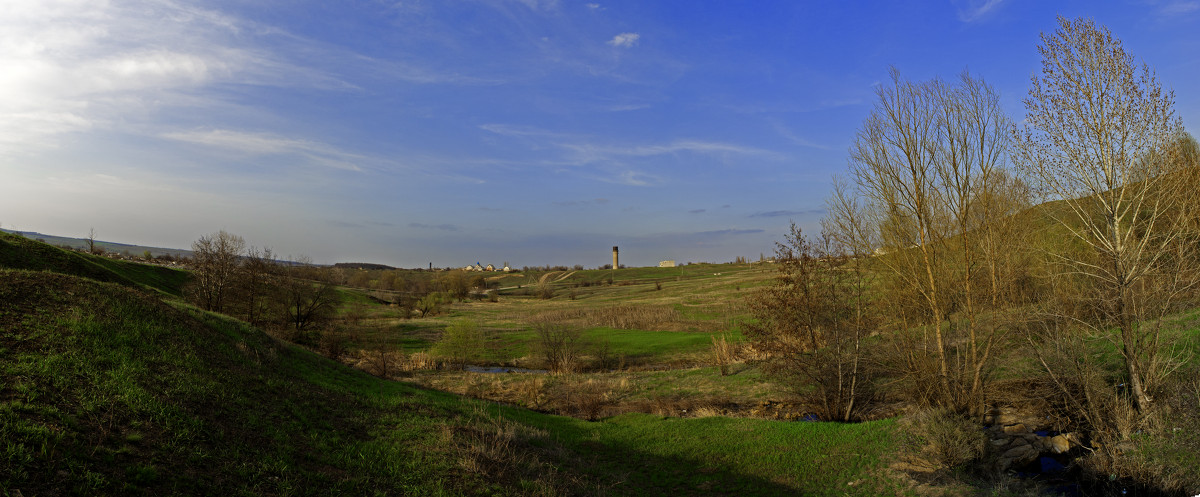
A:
<point x="489" y="267"/>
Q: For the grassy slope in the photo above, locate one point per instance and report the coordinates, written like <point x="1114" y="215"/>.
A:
<point x="80" y="243"/>
<point x="113" y="391"/>
<point x="18" y="252"/>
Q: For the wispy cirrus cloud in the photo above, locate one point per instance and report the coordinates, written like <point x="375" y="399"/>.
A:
<point x="794" y="138"/>
<point x="270" y="144"/>
<point x="72" y="65"/>
<point x="1177" y="8"/>
<point x="728" y="232"/>
<point x="617" y="162"/>
<point x="592" y="152"/>
<point x="577" y="203"/>
<point x="786" y="213"/>
<point x="439" y="227"/>
<point x="976" y="10"/>
<point x="515" y="130"/>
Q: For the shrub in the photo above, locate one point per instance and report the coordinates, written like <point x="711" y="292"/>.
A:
<point x="724" y="353"/>
<point x="559" y="345"/>
<point x="943" y="438"/>
<point x="430" y="304"/>
<point x="334" y="344"/>
<point x="462" y="341"/>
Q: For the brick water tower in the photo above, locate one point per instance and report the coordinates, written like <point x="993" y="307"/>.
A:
<point x="615" y="264"/>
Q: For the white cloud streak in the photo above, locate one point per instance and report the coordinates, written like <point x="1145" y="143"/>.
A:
<point x="269" y="144"/>
<point x="1176" y="8"/>
<point x="976" y="10"/>
<point x="76" y="65"/>
<point x="624" y="40"/>
<point x="596" y="152"/>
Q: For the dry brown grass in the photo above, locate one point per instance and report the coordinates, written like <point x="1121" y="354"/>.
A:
<point x="625" y="317"/>
<point x="387" y="363"/>
<point x="504" y="450"/>
<point x="942" y="438"/>
<point x="724" y="353"/>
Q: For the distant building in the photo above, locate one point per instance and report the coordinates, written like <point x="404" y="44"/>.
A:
<point x="489" y="268"/>
<point x="666" y="263"/>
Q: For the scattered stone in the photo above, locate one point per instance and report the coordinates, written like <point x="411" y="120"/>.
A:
<point x="1020" y="454"/>
<point x="1059" y="444"/>
<point x="1000" y="442"/>
<point x="1005" y="418"/>
<point x="1017" y="428"/>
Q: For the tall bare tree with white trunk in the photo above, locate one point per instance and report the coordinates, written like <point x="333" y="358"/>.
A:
<point x="1101" y="136"/>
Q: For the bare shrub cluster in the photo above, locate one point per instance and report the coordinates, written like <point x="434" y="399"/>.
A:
<point x="561" y="346"/>
<point x="295" y="300"/>
<point x="811" y="324"/>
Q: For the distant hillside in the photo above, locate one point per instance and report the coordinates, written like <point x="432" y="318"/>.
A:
<point x="79" y="243"/>
<point x="363" y="265"/>
<point x="18" y="252"/>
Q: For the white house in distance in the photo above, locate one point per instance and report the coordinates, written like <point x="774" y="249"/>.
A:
<point x="480" y="267"/>
<point x="668" y="263"/>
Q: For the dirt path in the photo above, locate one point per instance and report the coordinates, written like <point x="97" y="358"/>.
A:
<point x="551" y="275"/>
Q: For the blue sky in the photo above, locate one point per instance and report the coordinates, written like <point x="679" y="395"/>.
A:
<point x="528" y="131"/>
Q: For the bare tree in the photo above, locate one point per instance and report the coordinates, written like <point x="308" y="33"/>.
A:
<point x="91" y="242"/>
<point x="215" y="264"/>
<point x="257" y="272"/>
<point x="1098" y="136"/>
<point x="305" y="304"/>
<point x="559" y="344"/>
<point x="929" y="165"/>
<point x="811" y="322"/>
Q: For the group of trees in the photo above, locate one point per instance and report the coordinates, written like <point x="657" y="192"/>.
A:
<point x="932" y="243"/>
<point x="252" y="285"/>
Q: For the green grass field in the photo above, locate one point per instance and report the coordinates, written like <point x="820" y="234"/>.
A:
<point x="647" y="316"/>
<point x="111" y="390"/>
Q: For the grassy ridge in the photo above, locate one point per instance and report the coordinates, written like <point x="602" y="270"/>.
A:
<point x="115" y="392"/>
<point x="18" y="252"/>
